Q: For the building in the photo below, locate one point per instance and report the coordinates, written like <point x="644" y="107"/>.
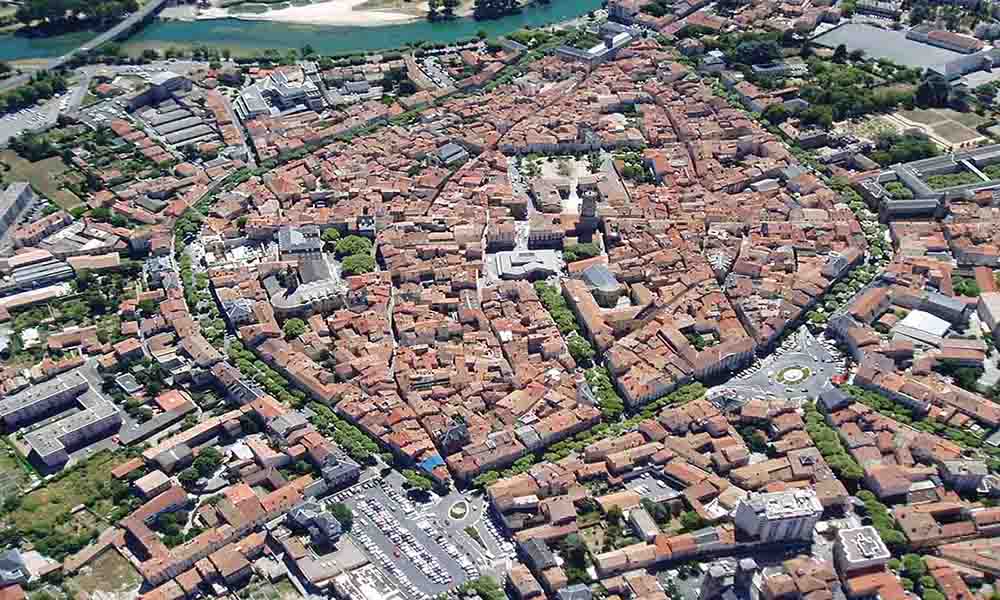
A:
<point x="323" y="528"/>
<point x="644" y="525"/>
<point x="13" y="571"/>
<point x="286" y="93"/>
<point x="52" y="443"/>
<point x="530" y="265"/>
<point x="14" y="199"/>
<point x="451" y="153"/>
<point x="860" y="548"/>
<point x="162" y="85"/>
<point x="577" y="591"/>
<point x="155" y="268"/>
<point x="251" y="104"/>
<point x="340" y="473"/>
<point x="42" y="399"/>
<point x="963" y="475"/>
<point x="880" y="8"/>
<point x="922" y="327"/>
<point x="945" y="39"/>
<point x="602" y="284"/>
<point x="989" y="310"/>
<point x="779" y="516"/>
<point x="297" y="241"/>
<point x="152" y="484"/>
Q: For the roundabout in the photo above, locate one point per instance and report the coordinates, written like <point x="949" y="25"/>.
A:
<point x="459" y="510"/>
<point x="792" y="375"/>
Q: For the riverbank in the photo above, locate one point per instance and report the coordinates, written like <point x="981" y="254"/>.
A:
<point x="335" y="13"/>
<point x="248" y="37"/>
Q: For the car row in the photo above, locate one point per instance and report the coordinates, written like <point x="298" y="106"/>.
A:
<point x="406" y="544"/>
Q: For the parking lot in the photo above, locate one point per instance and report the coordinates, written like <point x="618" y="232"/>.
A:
<point x="417" y="544"/>
<point x="799" y="369"/>
<point x="36" y="118"/>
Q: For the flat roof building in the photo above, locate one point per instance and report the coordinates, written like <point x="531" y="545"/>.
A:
<point x="643" y="523"/>
<point x="12" y="201"/>
<point x="779" y="516"/>
<point x="922" y="327"/>
<point x="38" y="400"/>
<point x="52" y="443"/>
<point x="860" y="548"/>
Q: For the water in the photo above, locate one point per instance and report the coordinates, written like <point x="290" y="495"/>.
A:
<point x="238" y="35"/>
<point x="14" y="47"/>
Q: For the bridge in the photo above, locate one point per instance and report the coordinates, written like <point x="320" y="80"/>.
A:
<point x="121" y="30"/>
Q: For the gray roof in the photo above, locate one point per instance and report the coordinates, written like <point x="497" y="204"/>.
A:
<point x="299" y="239"/>
<point x="577" y="591"/>
<point x="600" y="277"/>
<point x="834" y="398"/>
<point x="538" y="554"/>
<point x="12" y="567"/>
<point x="945" y="302"/>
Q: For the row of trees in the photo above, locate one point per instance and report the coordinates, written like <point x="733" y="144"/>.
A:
<point x="579" y="348"/>
<point x="43" y="85"/>
<point x="438" y="10"/>
<point x="494" y="9"/>
<point x="61" y="15"/>
<point x="829" y="445"/>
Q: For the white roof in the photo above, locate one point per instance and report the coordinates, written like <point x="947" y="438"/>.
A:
<point x="925" y="322"/>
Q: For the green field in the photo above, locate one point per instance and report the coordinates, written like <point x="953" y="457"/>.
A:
<point x="950" y="125"/>
<point x="282" y="590"/>
<point x="110" y="573"/>
<point x="42" y="176"/>
<point x="46" y="518"/>
<point x="14" y="474"/>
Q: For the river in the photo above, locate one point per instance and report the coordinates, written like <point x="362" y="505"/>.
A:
<point x="237" y="34"/>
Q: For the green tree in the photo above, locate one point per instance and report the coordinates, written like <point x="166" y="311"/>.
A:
<point x="330" y="236"/>
<point x="494" y="9"/>
<point x="208" y="460"/>
<point x="344" y="514"/>
<point x="353" y="244"/>
<point x="188" y="476"/>
<point x="581" y="350"/>
<point x="486" y="479"/>
<point x="293" y="328"/>
<point x="417" y="481"/>
<point x="840" y="54"/>
<point x="691" y="521"/>
<point x="356" y="264"/>
<point x="913" y="566"/>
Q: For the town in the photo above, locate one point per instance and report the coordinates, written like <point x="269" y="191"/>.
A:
<point x="690" y="300"/>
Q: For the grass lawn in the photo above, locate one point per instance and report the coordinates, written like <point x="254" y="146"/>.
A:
<point x="949" y="125"/>
<point x="41" y="175"/>
<point x="50" y="506"/>
<point x="13" y="472"/>
<point x="110" y="572"/>
<point x="593" y="537"/>
<point x="955" y="133"/>
<point x="282" y="590"/>
<point x="923" y="116"/>
<point x="969" y="119"/>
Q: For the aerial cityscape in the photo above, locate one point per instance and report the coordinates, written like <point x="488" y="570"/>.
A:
<point x="648" y="300"/>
